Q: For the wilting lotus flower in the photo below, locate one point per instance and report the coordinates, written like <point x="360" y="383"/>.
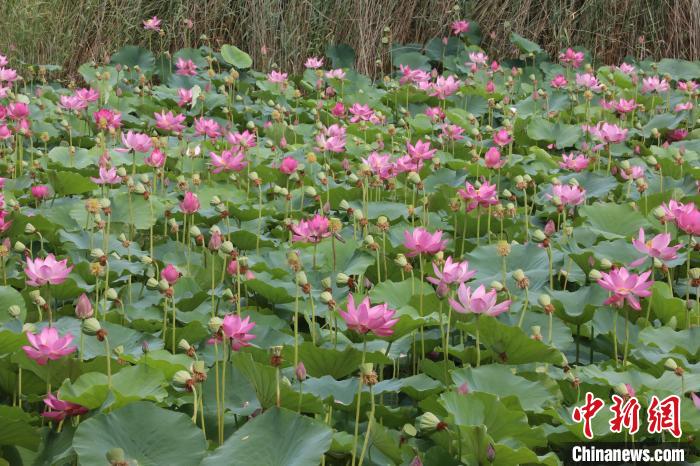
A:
<point x="190" y="203"/>
<point x="367" y="318"/>
<point x="47" y="344"/>
<point x="288" y="165"/>
<point x="626" y="287"/>
<point x="478" y="301"/>
<point x="228" y="161"/>
<point x="236" y="330"/>
<point x="170" y="274"/>
<point x="46" y="271"/>
<point x="657" y="247"/>
<point x="311" y="231"/>
<point x="62" y="409"/>
<point x="452" y="272"/>
<point x="137" y="142"/>
<point x="421" y="241"/>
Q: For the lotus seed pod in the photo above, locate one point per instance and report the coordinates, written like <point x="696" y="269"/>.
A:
<point x="163" y="285"/>
<point x="226" y="247"/>
<point x="97" y="253"/>
<point x="184" y="345"/>
<point x="29" y="229"/>
<point x="670" y="364"/>
<point x="401" y="260"/>
<point x="605" y="264"/>
<point x="301" y="278"/>
<point x="152" y="283"/>
<point x="539" y="236"/>
<point x="595" y="275"/>
<point x="111" y="294"/>
<point x="428" y="422"/>
<point x="14" y="311"/>
<point x="181" y="378"/>
<point x="19" y="247"/>
<point x="544" y="300"/>
<point x="496" y="285"/>
<point x="215" y="324"/>
<point x="91" y="326"/>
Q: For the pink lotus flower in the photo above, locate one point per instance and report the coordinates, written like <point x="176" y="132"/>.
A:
<point x="657" y="247"/>
<point x="674" y="209"/>
<point x="338" y="110"/>
<point x="40" y="191"/>
<point x="380" y="164"/>
<point x="625" y="106"/>
<point x="83" y="308"/>
<point x="185" y="96"/>
<point x="688" y="86"/>
<point x="571" y="58"/>
<point x="696" y="400"/>
<point x="228" y="161"/>
<point x="626" y="287"/>
<point x="59" y="410"/>
<point x="107" y="119"/>
<point x="626" y="68"/>
<point x="311" y="231"/>
<point x="17" y="110"/>
<point x="185" y="67"/>
<point x="87" y="95"/>
<point x="608" y="133"/>
<point x="170" y="274"/>
<point x="435" y="113"/>
<point x="207" y="127"/>
<point x="169" y="122"/>
<point x="634" y="172"/>
<point x="47" y="344"/>
<point x="242" y="141"/>
<point x="335" y="74"/>
<point x="484" y="196"/>
<point x="421" y="150"/>
<point x="588" y="81"/>
<point x="313" y="63"/>
<point x="452" y="133"/>
<point x="367" y="318"/>
<point x="72" y="102"/>
<point x="452" y="272"/>
<point x="361" y="112"/>
<point x="559" y="82"/>
<point x="236" y="330"/>
<point x="689" y="221"/>
<point x="445" y="87"/>
<point x="8" y="75"/>
<point x="578" y="163"/>
<point x="478" y="58"/>
<point x="683" y="107"/>
<point x="107" y="176"/>
<point x="288" y="165"/>
<point x="46" y="271"/>
<point x="493" y="159"/>
<point x="502" y="137"/>
<point x="409" y="76"/>
<point x="3" y="60"/>
<point x="654" y="84"/>
<point x="421" y="241"/>
<point x="276" y="77"/>
<point x="152" y="24"/>
<point x="156" y="159"/>
<point x="332" y="139"/>
<point x="460" y="27"/>
<point x="478" y="301"/>
<point x="137" y="142"/>
<point x="190" y="204"/>
<point x="568" y="195"/>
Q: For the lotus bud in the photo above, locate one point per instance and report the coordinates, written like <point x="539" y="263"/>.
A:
<point x="83" y="309"/>
<point x="300" y="372"/>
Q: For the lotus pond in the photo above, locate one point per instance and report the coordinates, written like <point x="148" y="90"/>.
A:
<point x="205" y="264"/>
